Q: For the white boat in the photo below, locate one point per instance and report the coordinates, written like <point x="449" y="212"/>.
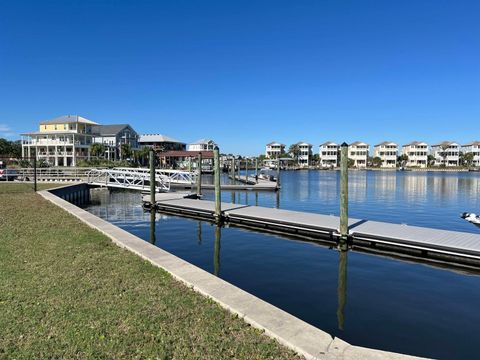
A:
<point x="471" y="218"/>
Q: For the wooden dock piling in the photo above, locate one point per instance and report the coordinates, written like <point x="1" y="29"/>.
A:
<point x="344" y="191"/>
<point x="152" y="178"/>
<point x="278" y="173"/>
<point x="218" y="192"/>
<point x="199" y="177"/>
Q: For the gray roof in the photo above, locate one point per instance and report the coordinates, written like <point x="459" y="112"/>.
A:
<point x="203" y="141"/>
<point x="66" y="119"/>
<point x="109" y="130"/>
<point x="329" y="143"/>
<point x="303" y="143"/>
<point x="413" y="143"/>
<point x="275" y="143"/>
<point x="356" y="143"/>
<point x="157" y="138"/>
<point x="446" y="143"/>
<point x="386" y="143"/>
<point x="473" y="143"/>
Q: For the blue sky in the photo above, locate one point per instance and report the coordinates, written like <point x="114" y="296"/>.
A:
<point x="245" y="73"/>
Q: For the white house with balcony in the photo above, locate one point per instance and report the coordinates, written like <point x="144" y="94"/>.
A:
<point x="473" y="148"/>
<point x="304" y="153"/>
<point x="112" y="137"/>
<point x="274" y="150"/>
<point x="446" y="153"/>
<point x="329" y="154"/>
<point x="61" y="141"/>
<point x="417" y="153"/>
<point x="387" y="151"/>
<point x="358" y="151"/>
<point x="202" y="145"/>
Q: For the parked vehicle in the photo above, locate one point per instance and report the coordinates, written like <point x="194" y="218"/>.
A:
<point x="7" y="174"/>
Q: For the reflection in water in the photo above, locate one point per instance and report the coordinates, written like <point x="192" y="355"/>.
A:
<point x="342" y="288"/>
<point x="199" y="232"/>
<point x="357" y="185"/>
<point x="385" y="186"/>
<point x="278" y="199"/>
<point x="153" y="215"/>
<point x="233" y="197"/>
<point x="256" y="198"/>
<point x="216" y="252"/>
<point x="415" y="187"/>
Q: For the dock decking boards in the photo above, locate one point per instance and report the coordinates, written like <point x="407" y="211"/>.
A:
<point x="447" y="243"/>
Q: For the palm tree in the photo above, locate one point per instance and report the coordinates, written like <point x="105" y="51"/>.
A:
<point x="126" y="151"/>
<point x="444" y="154"/>
<point x="143" y="155"/>
<point x="294" y="150"/>
<point x="97" y="150"/>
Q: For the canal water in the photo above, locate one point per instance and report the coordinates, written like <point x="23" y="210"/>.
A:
<point x="367" y="300"/>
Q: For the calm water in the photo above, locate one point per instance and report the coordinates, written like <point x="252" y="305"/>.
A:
<point x="364" y="299"/>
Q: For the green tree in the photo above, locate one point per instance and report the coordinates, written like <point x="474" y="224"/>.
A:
<point x="294" y="151"/>
<point x="10" y="148"/>
<point x="467" y="159"/>
<point x="125" y="151"/>
<point x="402" y="160"/>
<point x="97" y="150"/>
<point x="377" y="162"/>
<point x="143" y="155"/>
<point x="443" y="154"/>
<point x="430" y="160"/>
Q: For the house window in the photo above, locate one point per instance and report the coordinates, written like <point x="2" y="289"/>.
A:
<point x="55" y="126"/>
<point x="64" y="126"/>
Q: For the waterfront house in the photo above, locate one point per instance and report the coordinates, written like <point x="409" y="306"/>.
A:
<point x="417" y="153"/>
<point x="304" y="153"/>
<point x="358" y="152"/>
<point x="202" y="145"/>
<point x="161" y="142"/>
<point x="446" y="153"/>
<point x="112" y="137"/>
<point x="61" y="141"/>
<point x="387" y="151"/>
<point x="328" y="154"/>
<point x="274" y="149"/>
<point x="473" y="148"/>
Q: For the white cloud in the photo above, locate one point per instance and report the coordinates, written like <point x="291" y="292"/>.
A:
<point x="6" y="131"/>
<point x="5" y="128"/>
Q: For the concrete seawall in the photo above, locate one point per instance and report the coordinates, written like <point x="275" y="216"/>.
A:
<point x="290" y="331"/>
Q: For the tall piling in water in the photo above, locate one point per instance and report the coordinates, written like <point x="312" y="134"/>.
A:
<point x="216" y="164"/>
<point x="344" y="191"/>
<point x="152" y="179"/>
<point x="199" y="174"/>
<point x="256" y="170"/>
<point x="232" y="169"/>
<point x="278" y="173"/>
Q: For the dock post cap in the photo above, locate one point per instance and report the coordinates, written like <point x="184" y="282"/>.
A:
<point x="216" y="147"/>
<point x="344" y="144"/>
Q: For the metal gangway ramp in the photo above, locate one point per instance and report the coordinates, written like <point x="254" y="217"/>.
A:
<point x="179" y="177"/>
<point x="127" y="178"/>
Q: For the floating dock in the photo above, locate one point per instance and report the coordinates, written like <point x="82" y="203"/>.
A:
<point x="262" y="185"/>
<point x="435" y="245"/>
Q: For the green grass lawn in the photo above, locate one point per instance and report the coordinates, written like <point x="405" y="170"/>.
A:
<point x="10" y="187"/>
<point x="66" y="291"/>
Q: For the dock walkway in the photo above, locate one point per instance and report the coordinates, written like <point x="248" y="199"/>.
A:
<point x="426" y="242"/>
